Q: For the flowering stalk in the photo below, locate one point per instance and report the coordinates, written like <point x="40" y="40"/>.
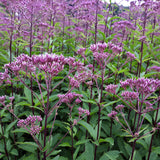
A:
<point x="141" y="90"/>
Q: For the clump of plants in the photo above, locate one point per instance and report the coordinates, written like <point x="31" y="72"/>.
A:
<point x="79" y="80"/>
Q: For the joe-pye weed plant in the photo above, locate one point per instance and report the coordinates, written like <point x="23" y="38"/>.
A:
<point x="57" y="92"/>
<point x="43" y="69"/>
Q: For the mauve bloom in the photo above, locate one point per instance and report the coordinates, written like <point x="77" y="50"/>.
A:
<point x="82" y="111"/>
<point x="30" y="124"/>
<point x="158" y="124"/>
<point x="142" y="38"/>
<point x="130" y="55"/>
<point x="68" y="98"/>
<point x="111" y="88"/>
<point x="93" y="48"/>
<point x="119" y="107"/>
<point x="143" y="86"/>
<point x="112" y="114"/>
<point x="2" y="99"/>
<point x="156" y="68"/>
<point x="130" y="95"/>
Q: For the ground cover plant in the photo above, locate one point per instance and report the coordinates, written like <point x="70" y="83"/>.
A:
<point x="79" y="80"/>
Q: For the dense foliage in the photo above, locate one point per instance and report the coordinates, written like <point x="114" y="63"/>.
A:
<point x="79" y="80"/>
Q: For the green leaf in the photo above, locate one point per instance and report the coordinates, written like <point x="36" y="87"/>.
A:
<point x="27" y="93"/>
<point x="148" y="118"/>
<point x="158" y="117"/>
<point x="27" y="147"/>
<point x="31" y="156"/>
<point x="89" y="101"/>
<point x="9" y="146"/>
<point x="14" y="152"/>
<point x="143" y="129"/>
<point x="23" y="103"/>
<point x="82" y="142"/>
<point x="20" y="130"/>
<point x="109" y="140"/>
<point x="76" y="153"/>
<point x="56" y="158"/>
<point x="110" y="103"/>
<point x="112" y="155"/>
<point x="89" y="151"/>
<point x="10" y="126"/>
<point x="128" y="148"/>
<point x="65" y="144"/>
<point x="153" y="156"/>
<point x="112" y="67"/>
<point x="155" y="62"/>
<point x="28" y="143"/>
<point x="55" y="152"/>
<point x="142" y="142"/>
<point x="115" y="17"/>
<point x="89" y="128"/>
<point x="100" y="16"/>
<point x="122" y="71"/>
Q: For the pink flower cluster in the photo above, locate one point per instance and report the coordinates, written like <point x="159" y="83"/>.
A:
<point x="130" y="96"/>
<point x="130" y="55"/>
<point x="156" y="68"/>
<point x="119" y="107"/>
<point x="50" y="64"/>
<point x="22" y="63"/>
<point x="115" y="48"/>
<point x="2" y="99"/>
<point x="98" y="52"/>
<point x="4" y="77"/>
<point x="81" y="51"/>
<point x="68" y="98"/>
<point x="111" y="88"/>
<point x="112" y="114"/>
<point x="30" y="124"/>
<point x="143" y="86"/>
<point x="82" y="111"/>
<point x="79" y="78"/>
<point x="123" y="25"/>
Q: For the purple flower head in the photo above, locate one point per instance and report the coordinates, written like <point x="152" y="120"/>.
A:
<point x="83" y="111"/>
<point x="11" y="98"/>
<point x="100" y="57"/>
<point x="158" y="124"/>
<point x="112" y="114"/>
<point x="2" y="99"/>
<point x="150" y="108"/>
<point x="143" y="86"/>
<point x="115" y="48"/>
<point x="156" y="68"/>
<point x="30" y="124"/>
<point x="111" y="88"/>
<point x="73" y="82"/>
<point x="94" y="48"/>
<point x="130" y="95"/>
<point x="123" y="24"/>
<point x="119" y="107"/>
<point x="68" y="98"/>
<point x="130" y="55"/>
<point x="78" y="101"/>
<point x="102" y="46"/>
<point x="142" y="38"/>
<point x="74" y="122"/>
<point x="136" y="134"/>
<point x="81" y="51"/>
<point x="4" y="77"/>
<point x="90" y="66"/>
